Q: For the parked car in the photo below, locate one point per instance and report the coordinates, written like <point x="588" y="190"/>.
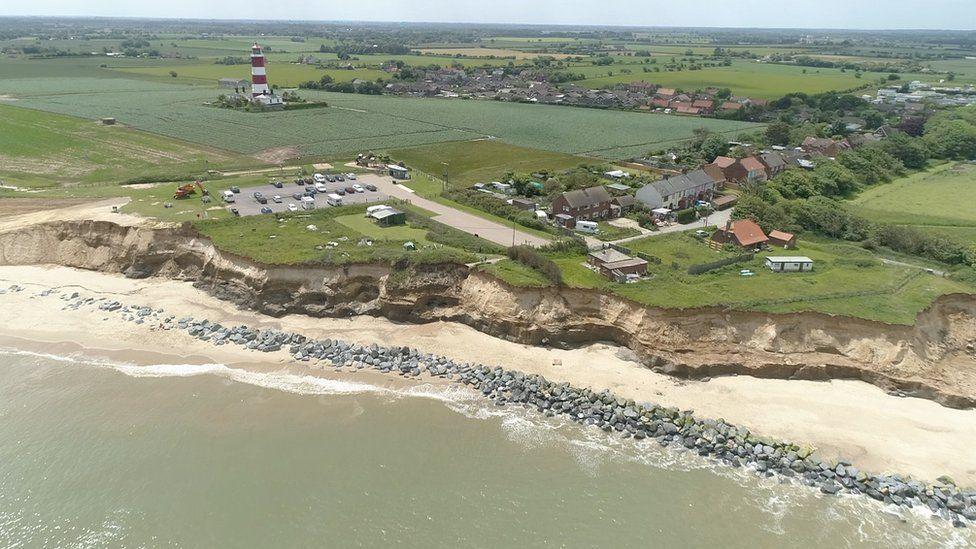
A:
<point x="340" y="191"/>
<point x="235" y="189"/>
<point x="340" y="178"/>
<point x="330" y="178"/>
<point x="358" y="188"/>
<point x="292" y="208"/>
<point x="261" y="200"/>
<point x="235" y="211"/>
<point x="277" y="184"/>
<point x="297" y="196"/>
<point x="266" y="210"/>
<point x="257" y="194"/>
<point x="350" y="190"/>
<point x="300" y="182"/>
<point x="351" y="176"/>
<point x="318" y="178"/>
<point x="310" y="191"/>
<point x="276" y="198"/>
<point x="370" y="187"/>
<point x="321" y="188"/>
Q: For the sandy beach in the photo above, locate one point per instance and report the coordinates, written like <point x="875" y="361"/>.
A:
<point x="878" y="432"/>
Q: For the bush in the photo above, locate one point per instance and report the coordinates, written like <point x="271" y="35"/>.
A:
<point x="711" y="266"/>
<point x="532" y="258"/>
<point x="686" y="216"/>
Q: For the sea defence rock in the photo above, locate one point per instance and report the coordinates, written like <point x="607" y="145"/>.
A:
<point x="732" y="445"/>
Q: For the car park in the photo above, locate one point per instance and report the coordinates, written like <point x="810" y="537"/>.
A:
<point x="266" y="210"/>
<point x="276" y="198"/>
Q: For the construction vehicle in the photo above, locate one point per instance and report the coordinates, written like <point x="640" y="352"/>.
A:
<point x="190" y="189"/>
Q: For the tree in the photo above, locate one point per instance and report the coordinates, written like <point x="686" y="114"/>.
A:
<point x="954" y="139"/>
<point x="713" y="146"/>
<point x="911" y="151"/>
<point x="778" y="133"/>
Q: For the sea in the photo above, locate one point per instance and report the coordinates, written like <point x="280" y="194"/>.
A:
<point x="95" y="453"/>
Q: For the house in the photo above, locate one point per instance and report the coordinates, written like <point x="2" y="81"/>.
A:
<point x="774" y="163"/>
<point x="591" y="203"/>
<point x="706" y="106"/>
<point x="678" y="192"/>
<point x="782" y="239"/>
<point x="616" y="265"/>
<point x="722" y="167"/>
<point x="782" y="264"/>
<point x="623" y="204"/>
<point x="386" y="216"/>
<point x="754" y="170"/>
<point x="730" y="106"/>
<point x="823" y="146"/>
<point x="666" y="92"/>
<point x="861" y="139"/>
<point x="744" y="233"/>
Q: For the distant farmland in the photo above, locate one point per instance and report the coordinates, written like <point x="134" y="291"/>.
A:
<point x="358" y="122"/>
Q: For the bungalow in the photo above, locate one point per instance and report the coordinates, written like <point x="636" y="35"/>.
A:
<point x="678" y="192"/>
<point x="782" y="239"/>
<point x="616" y="265"/>
<point x="823" y="146"/>
<point x="744" y="233"/>
<point x="781" y="264"/>
<point x="591" y="203"/>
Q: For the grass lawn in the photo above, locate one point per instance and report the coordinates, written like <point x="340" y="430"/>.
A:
<point x="516" y="273"/>
<point x="470" y="162"/>
<point x="610" y="232"/>
<point x="941" y="196"/>
<point x="285" y="239"/>
<point x="39" y="149"/>
<point x="365" y="226"/>
<point x="890" y="293"/>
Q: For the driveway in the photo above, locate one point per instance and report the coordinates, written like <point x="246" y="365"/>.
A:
<point x="716" y="219"/>
<point x="505" y="235"/>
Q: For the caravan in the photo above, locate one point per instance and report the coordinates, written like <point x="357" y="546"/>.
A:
<point x="308" y="203"/>
<point x="333" y="200"/>
<point x="229" y="197"/>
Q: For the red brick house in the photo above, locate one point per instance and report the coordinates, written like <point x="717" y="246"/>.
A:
<point x="823" y="146"/>
<point x="744" y="233"/>
<point x="587" y="204"/>
<point x="753" y="170"/>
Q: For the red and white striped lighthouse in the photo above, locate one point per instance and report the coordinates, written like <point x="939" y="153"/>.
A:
<point x="259" y="75"/>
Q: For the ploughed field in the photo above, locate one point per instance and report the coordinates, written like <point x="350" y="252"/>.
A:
<point x="354" y="123"/>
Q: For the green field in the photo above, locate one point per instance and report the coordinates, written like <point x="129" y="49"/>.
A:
<point x="943" y="197"/>
<point x="469" y="162"/>
<point x="745" y="78"/>
<point x="886" y="293"/>
<point x="284" y="74"/>
<point x="39" y="149"/>
<point x="357" y="122"/>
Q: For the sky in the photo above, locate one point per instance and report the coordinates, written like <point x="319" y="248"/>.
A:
<point x="821" y="14"/>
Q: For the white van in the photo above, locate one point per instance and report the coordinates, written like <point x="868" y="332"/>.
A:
<point x="229" y="197"/>
<point x="319" y="178"/>
<point x="333" y="199"/>
<point x="320" y="187"/>
<point x="308" y="203"/>
<point x="587" y="227"/>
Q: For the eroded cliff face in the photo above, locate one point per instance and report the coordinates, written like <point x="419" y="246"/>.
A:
<point x="930" y="359"/>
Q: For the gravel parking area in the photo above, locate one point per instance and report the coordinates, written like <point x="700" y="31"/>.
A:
<point x="247" y="205"/>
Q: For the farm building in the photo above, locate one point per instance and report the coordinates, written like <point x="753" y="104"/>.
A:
<point x="782" y="239"/>
<point x="795" y="264"/>
<point x="744" y="233"/>
<point x="616" y="265"/>
<point x="387" y="216"/>
<point x="591" y="203"/>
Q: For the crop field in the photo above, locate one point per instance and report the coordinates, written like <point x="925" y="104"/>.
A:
<point x="356" y="122"/>
<point x="491" y="52"/>
<point x="39" y="149"/>
<point x="469" y="162"/>
<point x="747" y="78"/>
<point x="943" y="197"/>
<point x="282" y="73"/>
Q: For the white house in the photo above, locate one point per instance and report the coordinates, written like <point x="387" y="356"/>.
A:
<point x="781" y="264"/>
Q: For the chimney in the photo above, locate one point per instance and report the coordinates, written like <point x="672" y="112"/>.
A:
<point x="728" y="226"/>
